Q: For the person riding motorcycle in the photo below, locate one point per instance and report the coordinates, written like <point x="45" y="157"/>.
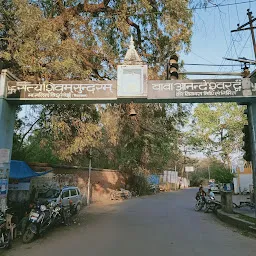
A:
<point x="211" y="194"/>
<point x="200" y="193"/>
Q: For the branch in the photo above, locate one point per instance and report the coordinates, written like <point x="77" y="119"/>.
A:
<point x="151" y="131"/>
<point x="28" y="131"/>
<point x="131" y="23"/>
<point x="92" y="8"/>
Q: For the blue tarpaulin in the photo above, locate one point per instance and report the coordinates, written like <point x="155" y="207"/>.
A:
<point x="20" y="170"/>
<point x="154" y="179"/>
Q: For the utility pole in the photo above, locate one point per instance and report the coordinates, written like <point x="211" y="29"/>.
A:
<point x="252" y="30"/>
<point x="252" y="105"/>
<point x="89" y="177"/>
<point x="251" y="27"/>
<point x="176" y="176"/>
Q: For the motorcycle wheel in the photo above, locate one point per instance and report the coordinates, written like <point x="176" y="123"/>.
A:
<point x="198" y="206"/>
<point x="9" y="240"/>
<point x="216" y="208"/>
<point x="28" y="236"/>
<point x="207" y="208"/>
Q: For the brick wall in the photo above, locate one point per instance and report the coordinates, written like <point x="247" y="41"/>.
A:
<point x="103" y="181"/>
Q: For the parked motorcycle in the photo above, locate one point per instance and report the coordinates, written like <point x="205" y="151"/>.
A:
<point x="40" y="219"/>
<point x="211" y="204"/>
<point x="5" y="233"/>
<point x="154" y="188"/>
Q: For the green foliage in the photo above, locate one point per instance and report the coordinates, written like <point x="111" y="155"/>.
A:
<point x="217" y="129"/>
<point x="36" y="149"/>
<point x="68" y="39"/>
<point x="222" y="175"/>
<point x="215" y="168"/>
<point x="139" y="184"/>
<point x="196" y="179"/>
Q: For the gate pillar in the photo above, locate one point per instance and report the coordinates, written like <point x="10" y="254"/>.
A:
<point x="7" y="120"/>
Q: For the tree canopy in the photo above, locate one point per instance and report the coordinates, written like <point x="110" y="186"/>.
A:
<point x="217" y="129"/>
<point x="56" y="39"/>
<point x="47" y="40"/>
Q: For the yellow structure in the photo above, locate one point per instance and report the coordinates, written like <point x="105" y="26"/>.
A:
<point x="243" y="181"/>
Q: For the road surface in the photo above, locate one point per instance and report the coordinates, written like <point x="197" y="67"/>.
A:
<point x="164" y="224"/>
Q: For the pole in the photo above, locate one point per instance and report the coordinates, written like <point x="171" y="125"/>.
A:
<point x="252" y="30"/>
<point x="250" y="23"/>
<point x="89" y="178"/>
<point x="252" y="125"/>
<point x="209" y="173"/>
<point x="252" y="117"/>
<point x="175" y="169"/>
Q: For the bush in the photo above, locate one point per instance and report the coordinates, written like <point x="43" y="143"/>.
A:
<point x="222" y="175"/>
<point x="139" y="184"/>
<point x="196" y="179"/>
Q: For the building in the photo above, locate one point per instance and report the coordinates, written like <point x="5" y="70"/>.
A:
<point x="243" y="182"/>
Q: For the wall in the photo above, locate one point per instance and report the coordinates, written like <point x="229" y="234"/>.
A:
<point x="103" y="181"/>
<point x="245" y="180"/>
<point x="247" y="168"/>
<point x="244" y="177"/>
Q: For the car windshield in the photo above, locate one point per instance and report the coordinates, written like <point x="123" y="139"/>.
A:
<point x="51" y="193"/>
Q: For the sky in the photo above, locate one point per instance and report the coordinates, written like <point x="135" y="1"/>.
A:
<point x="212" y="39"/>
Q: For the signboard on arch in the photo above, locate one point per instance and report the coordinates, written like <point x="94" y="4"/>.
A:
<point x="167" y="89"/>
<point x="66" y="90"/>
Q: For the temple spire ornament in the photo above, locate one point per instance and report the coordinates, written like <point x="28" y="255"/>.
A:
<point x="132" y="57"/>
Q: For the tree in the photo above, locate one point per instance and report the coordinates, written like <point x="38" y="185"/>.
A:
<point x="222" y="175"/>
<point x="212" y="167"/>
<point x="50" y="39"/>
<point x="147" y="141"/>
<point x="217" y="129"/>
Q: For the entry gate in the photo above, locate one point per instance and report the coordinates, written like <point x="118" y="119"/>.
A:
<point x="131" y="85"/>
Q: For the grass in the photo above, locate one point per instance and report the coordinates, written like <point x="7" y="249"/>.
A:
<point x="247" y="218"/>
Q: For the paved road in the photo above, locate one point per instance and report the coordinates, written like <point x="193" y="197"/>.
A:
<point x="164" y="224"/>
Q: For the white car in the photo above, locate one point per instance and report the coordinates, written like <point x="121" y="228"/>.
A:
<point x="215" y="188"/>
<point x="65" y="196"/>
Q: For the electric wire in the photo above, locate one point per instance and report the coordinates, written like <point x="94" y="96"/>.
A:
<point x="244" y="45"/>
<point x="134" y="14"/>
<point x="203" y="64"/>
<point x="201" y="57"/>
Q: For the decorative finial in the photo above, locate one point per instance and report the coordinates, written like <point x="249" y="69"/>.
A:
<point x="132" y="57"/>
<point x="131" y="43"/>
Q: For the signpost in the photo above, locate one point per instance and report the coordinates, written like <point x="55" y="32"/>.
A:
<point x="189" y="168"/>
